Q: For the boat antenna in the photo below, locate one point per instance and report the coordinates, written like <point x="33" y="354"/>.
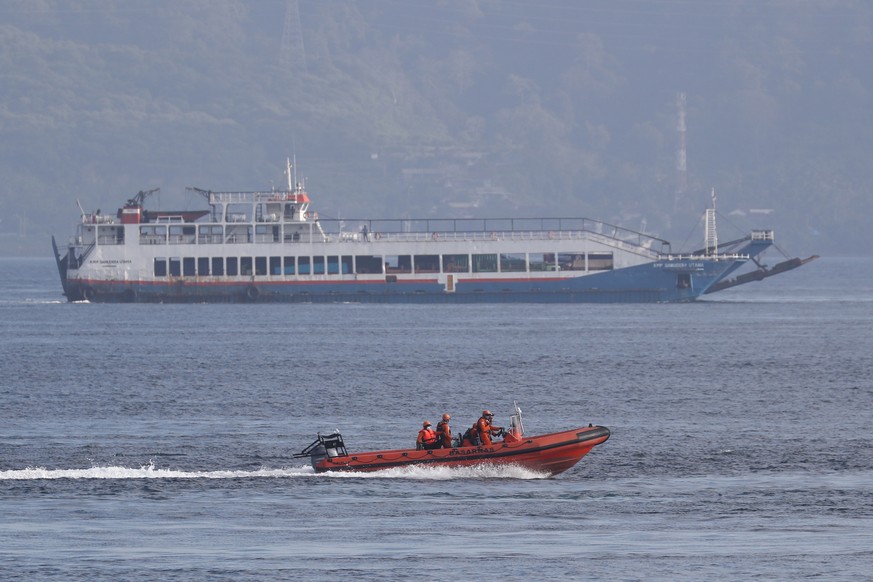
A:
<point x="79" y="204"/>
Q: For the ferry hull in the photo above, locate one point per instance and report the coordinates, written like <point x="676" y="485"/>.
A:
<point x="656" y="282"/>
<point x="551" y="454"/>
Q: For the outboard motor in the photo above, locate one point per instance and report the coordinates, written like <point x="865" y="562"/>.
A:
<point x="324" y="447"/>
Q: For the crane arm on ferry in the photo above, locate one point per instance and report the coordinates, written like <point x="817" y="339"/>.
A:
<point x="140" y="197"/>
<point x="201" y="191"/>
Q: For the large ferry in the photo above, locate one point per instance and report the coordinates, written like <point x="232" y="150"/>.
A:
<point x="270" y="246"/>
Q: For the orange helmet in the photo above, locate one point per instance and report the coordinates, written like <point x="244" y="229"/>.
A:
<point x="447" y="417"/>
<point x="425" y="423"/>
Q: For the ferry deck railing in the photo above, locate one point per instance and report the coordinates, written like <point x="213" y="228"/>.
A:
<point x="473" y="229"/>
<point x="417" y="230"/>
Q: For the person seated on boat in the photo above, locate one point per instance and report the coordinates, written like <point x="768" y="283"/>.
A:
<point x="485" y="429"/>
<point x="444" y="432"/>
<point x="427" y="438"/>
<point x="470" y="437"/>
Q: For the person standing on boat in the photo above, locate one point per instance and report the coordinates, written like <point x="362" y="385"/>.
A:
<point x="427" y="438"/>
<point x="444" y="432"/>
<point x="486" y="429"/>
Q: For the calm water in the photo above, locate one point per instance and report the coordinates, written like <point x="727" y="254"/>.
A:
<point x="155" y="441"/>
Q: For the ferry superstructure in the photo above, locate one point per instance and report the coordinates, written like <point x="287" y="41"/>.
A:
<point x="270" y="246"/>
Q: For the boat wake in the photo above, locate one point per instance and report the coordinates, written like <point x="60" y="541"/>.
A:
<point x="29" y="301"/>
<point x="152" y="472"/>
<point x="445" y="473"/>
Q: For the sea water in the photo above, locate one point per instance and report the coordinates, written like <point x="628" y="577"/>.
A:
<point x="157" y="441"/>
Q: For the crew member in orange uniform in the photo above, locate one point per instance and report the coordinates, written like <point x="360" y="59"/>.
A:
<point x="486" y="429"/>
<point x="427" y="438"/>
<point x="444" y="432"/>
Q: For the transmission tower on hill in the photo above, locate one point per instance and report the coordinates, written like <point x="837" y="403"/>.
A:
<point x="681" y="159"/>
<point x="292" y="53"/>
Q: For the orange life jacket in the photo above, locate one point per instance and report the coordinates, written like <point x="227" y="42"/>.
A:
<point x="426" y="436"/>
<point x="444" y="433"/>
<point x="484" y="429"/>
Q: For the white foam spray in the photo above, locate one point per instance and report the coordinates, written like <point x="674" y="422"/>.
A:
<point x="150" y="471"/>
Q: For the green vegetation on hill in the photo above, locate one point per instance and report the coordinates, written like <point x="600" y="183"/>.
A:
<point x="459" y="107"/>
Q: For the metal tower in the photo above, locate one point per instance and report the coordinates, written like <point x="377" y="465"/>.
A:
<point x="681" y="160"/>
<point x="292" y="53"/>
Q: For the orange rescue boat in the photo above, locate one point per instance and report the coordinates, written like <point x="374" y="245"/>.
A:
<point x="550" y="453"/>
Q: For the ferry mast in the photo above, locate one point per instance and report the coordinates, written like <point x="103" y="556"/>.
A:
<point x="710" y="235"/>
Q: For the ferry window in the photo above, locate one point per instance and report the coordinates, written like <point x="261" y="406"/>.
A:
<point x="427" y="263"/>
<point x="289" y="211"/>
<point x="275" y="265"/>
<point x="456" y="263"/>
<point x="160" y="267"/>
<point x="232" y="267"/>
<point x="217" y="266"/>
<point x="267" y="233"/>
<point x="175" y="267"/>
<point x="512" y="263"/>
<point x="239" y="233"/>
<point x="188" y="264"/>
<point x="368" y="264"/>
<point x="292" y="233"/>
<point x="110" y="235"/>
<point x="303" y="266"/>
<point x="600" y="261"/>
<point x="398" y="263"/>
<point x="318" y="265"/>
<point x="245" y="266"/>
<point x="571" y="261"/>
<point x="333" y="265"/>
<point x="542" y="261"/>
<point x="180" y="234"/>
<point x="152" y="235"/>
<point x="346" y="261"/>
<point x="683" y="281"/>
<point x="260" y="266"/>
<point x="485" y="263"/>
<point x="210" y="234"/>
<point x="289" y="265"/>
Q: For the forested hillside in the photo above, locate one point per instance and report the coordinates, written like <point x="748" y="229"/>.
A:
<point x="446" y="108"/>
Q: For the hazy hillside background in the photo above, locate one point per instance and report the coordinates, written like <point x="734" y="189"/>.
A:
<point x="446" y="108"/>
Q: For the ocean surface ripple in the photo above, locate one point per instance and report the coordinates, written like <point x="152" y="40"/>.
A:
<point x="157" y="441"/>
